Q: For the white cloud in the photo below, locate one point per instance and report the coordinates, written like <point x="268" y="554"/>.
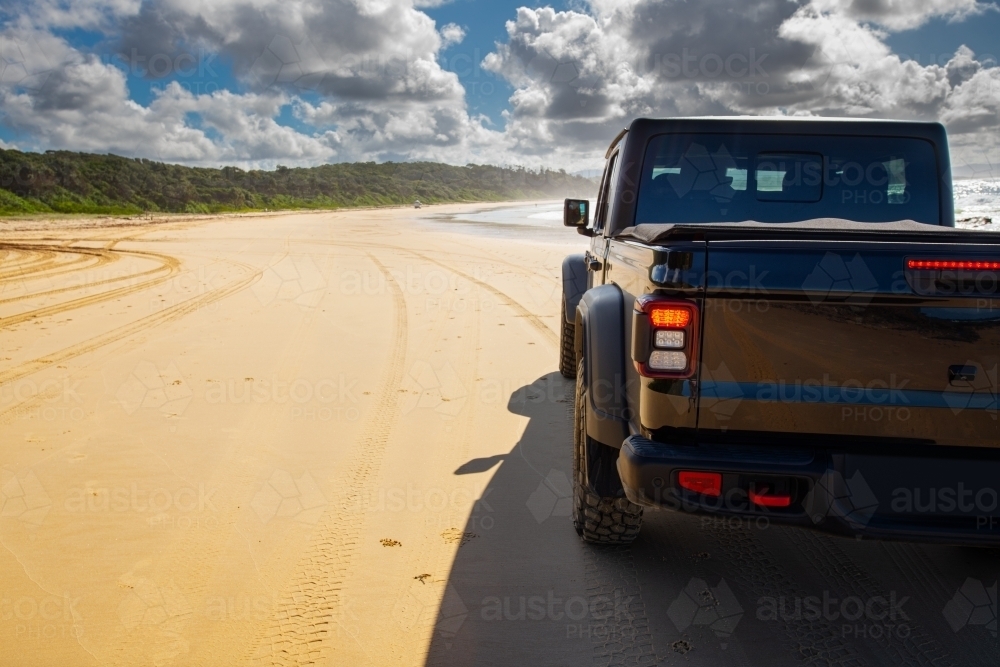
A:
<point x="85" y="105"/>
<point x="374" y="64"/>
<point x="903" y="14"/>
<point x="69" y="14"/>
<point x="579" y="75"/>
<point x="357" y="49"/>
<point x="364" y="78"/>
<point x="452" y="34"/>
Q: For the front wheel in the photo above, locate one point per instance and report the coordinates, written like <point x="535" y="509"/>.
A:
<point x="598" y="519"/>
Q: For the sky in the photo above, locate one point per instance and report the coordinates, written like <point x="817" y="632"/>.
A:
<point x="258" y="83"/>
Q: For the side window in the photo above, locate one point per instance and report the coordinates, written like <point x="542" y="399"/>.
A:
<point x="608" y="189"/>
<point x="612" y="190"/>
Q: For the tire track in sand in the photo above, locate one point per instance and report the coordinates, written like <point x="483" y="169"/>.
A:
<point x="82" y="285"/>
<point x="170" y="266"/>
<point x="157" y="319"/>
<point x="506" y="300"/>
<point x="434" y="552"/>
<point x="46" y="262"/>
<point x="302" y="630"/>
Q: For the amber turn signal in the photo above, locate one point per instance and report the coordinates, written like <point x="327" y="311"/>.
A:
<point x="669" y="318"/>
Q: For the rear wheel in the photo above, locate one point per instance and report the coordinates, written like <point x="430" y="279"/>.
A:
<point x="599" y="519"/>
<point x="567" y="346"/>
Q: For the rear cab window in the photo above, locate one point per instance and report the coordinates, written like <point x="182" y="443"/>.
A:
<point x="693" y="178"/>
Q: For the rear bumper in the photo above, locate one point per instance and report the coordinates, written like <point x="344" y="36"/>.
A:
<point x="873" y="497"/>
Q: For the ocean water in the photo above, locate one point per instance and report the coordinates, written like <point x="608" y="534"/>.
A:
<point x="978" y="198"/>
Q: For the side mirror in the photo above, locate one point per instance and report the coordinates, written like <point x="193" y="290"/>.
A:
<point x="576" y="213"/>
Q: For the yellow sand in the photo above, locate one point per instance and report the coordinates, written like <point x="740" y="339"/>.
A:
<point x="234" y="440"/>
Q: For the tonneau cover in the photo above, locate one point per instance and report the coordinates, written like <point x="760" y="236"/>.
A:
<point x="900" y="230"/>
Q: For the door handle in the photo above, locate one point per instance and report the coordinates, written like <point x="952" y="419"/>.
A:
<point x="593" y="263"/>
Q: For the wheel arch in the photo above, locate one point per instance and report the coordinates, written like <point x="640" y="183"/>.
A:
<point x="600" y="342"/>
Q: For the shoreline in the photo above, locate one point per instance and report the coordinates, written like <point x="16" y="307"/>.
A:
<point x="42" y="222"/>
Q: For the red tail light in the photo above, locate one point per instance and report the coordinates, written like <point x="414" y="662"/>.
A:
<point x="762" y="498"/>
<point x="665" y="337"/>
<point x="707" y="483"/>
<point x="952" y="265"/>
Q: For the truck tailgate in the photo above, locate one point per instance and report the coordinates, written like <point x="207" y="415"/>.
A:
<point x="843" y="341"/>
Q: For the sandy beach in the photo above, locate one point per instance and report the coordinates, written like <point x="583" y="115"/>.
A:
<point x="339" y="438"/>
<point x="210" y="429"/>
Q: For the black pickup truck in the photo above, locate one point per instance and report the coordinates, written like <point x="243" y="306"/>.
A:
<point x="776" y="318"/>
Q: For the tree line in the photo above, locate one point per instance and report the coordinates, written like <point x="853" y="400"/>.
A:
<point x="67" y="182"/>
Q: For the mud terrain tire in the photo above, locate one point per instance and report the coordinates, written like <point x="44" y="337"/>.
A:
<point x="597" y="519"/>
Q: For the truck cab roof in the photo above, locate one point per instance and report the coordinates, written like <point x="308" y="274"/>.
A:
<point x="632" y="143"/>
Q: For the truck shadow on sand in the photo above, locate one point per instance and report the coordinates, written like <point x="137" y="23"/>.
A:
<point x="525" y="548"/>
<point x="525" y="590"/>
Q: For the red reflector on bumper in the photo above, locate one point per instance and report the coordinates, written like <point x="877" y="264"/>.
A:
<point x="952" y="265"/>
<point x="761" y="498"/>
<point x="707" y="483"/>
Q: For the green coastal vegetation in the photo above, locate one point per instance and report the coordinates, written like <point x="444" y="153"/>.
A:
<point x="83" y="183"/>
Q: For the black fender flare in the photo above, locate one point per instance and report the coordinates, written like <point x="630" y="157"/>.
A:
<point x="575" y="281"/>
<point x="600" y="342"/>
